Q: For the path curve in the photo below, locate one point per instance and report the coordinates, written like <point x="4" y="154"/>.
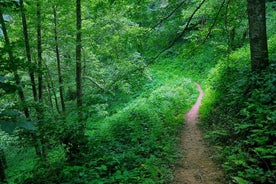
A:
<point x="196" y="165"/>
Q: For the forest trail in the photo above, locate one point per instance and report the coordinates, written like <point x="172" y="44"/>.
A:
<point x="196" y="166"/>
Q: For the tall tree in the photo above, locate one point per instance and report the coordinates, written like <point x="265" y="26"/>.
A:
<point x="40" y="76"/>
<point x="257" y="34"/>
<point x="28" y="50"/>
<point x="60" y="78"/>
<point x="78" y="62"/>
<point x="39" y="54"/>
<point x="31" y="66"/>
<point x="76" y="141"/>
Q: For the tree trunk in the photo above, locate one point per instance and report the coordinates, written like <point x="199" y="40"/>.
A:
<point x="3" y="165"/>
<point x="52" y="88"/>
<point x="28" y="50"/>
<point x="60" y="78"/>
<point x="50" y="97"/>
<point x="40" y="76"/>
<point x="31" y="66"/>
<point x="257" y="34"/>
<point x="75" y="139"/>
<point x="78" y="62"/>
<point x="39" y="55"/>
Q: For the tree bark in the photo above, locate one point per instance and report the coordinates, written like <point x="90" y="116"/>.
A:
<point x="78" y="61"/>
<point x="39" y="55"/>
<point x="31" y="67"/>
<point x="50" y="97"/>
<point x="52" y="88"/>
<point x="28" y="50"/>
<point x="40" y="117"/>
<point x="60" y="77"/>
<point x="76" y="141"/>
<point x="257" y="34"/>
<point x="3" y="165"/>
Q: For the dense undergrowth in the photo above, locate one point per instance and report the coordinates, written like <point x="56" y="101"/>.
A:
<point x="133" y="138"/>
<point x="239" y="115"/>
<point x="136" y="144"/>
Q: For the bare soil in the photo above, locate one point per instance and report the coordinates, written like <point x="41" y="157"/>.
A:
<point x="196" y="165"/>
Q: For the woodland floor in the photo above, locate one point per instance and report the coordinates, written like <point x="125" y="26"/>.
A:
<point x="196" y="166"/>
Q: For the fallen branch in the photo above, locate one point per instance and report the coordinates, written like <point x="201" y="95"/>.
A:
<point x="97" y="85"/>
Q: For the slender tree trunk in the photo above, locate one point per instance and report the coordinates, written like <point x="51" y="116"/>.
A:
<point x="37" y="149"/>
<point x="76" y="142"/>
<point x="257" y="34"/>
<point x="31" y="65"/>
<point x="78" y="62"/>
<point x="14" y="70"/>
<point x="39" y="55"/>
<point x="40" y="76"/>
<point x="50" y="96"/>
<point x="28" y="50"/>
<point x="3" y="165"/>
<point x="60" y="78"/>
<point x="51" y="87"/>
<point x="55" y="98"/>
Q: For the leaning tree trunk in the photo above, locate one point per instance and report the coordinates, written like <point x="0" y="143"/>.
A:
<point x="60" y="78"/>
<point x="29" y="59"/>
<point x="28" y="50"/>
<point x="257" y="34"/>
<point x="51" y="88"/>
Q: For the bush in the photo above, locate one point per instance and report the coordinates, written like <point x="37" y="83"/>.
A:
<point x="240" y="119"/>
<point x="138" y="143"/>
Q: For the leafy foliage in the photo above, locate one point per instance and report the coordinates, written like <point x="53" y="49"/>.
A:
<point x="242" y="120"/>
<point x="132" y="108"/>
<point x="135" y="145"/>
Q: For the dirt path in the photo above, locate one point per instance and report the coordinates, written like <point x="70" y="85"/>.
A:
<point x="196" y="166"/>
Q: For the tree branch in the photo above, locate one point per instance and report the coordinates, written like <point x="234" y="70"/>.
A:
<point x="94" y="82"/>
<point x="97" y="84"/>
<point x="211" y="27"/>
<point x="214" y="23"/>
<point x="168" y="16"/>
<point x="182" y="33"/>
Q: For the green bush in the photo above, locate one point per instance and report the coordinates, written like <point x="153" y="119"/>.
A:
<point x="239" y="113"/>
<point x="138" y="143"/>
<point x="135" y="145"/>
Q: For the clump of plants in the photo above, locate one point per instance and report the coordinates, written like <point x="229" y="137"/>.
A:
<point x="135" y="145"/>
<point x="239" y="116"/>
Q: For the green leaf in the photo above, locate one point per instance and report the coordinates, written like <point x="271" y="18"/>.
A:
<point x="26" y="125"/>
<point x="240" y="180"/>
<point x="9" y="126"/>
<point x="8" y="88"/>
